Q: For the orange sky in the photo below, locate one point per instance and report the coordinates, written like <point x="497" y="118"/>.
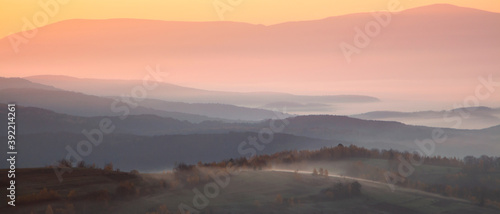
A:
<point x="253" y="11"/>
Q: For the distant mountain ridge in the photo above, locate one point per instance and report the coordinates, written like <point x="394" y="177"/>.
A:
<point x="470" y="118"/>
<point x="22" y="83"/>
<point x="32" y="94"/>
<point x="152" y="153"/>
<point x="305" y="55"/>
<point x="371" y="134"/>
<point x="215" y="110"/>
<point x="175" y="93"/>
<point x="79" y="104"/>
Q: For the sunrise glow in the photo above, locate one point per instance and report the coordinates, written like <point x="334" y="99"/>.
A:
<point x="265" y="12"/>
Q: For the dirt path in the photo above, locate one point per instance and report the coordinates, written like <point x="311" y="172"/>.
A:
<point x="365" y="181"/>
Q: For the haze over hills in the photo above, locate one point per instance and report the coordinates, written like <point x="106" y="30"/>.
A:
<point x="171" y="92"/>
<point x="33" y="120"/>
<point x="39" y="127"/>
<point x="395" y="135"/>
<point x="28" y="93"/>
<point x="300" y="107"/>
<point x="128" y="111"/>
<point x="214" y="110"/>
<point x="483" y="117"/>
<point x="491" y="130"/>
<point x="34" y="94"/>
<point x="305" y="55"/>
<point x="152" y="153"/>
<point x="462" y="118"/>
<point x="292" y="57"/>
<point x="84" y="105"/>
<point x="22" y="83"/>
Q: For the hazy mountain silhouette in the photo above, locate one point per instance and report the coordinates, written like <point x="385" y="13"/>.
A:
<point x="470" y="118"/>
<point x="372" y="134"/>
<point x="415" y="54"/>
<point x="22" y="83"/>
<point x="450" y="40"/>
<point x="493" y="130"/>
<point x="298" y="107"/>
<point x="84" y="105"/>
<point x="152" y="153"/>
<point x="37" y="120"/>
<point x="171" y="92"/>
<point x="214" y="110"/>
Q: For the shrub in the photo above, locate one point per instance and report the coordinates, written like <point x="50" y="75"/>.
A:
<point x="71" y="194"/>
<point x="43" y="195"/>
<point x="315" y="172"/>
<point x="64" y="163"/>
<point x="126" y="188"/>
<point x="82" y="164"/>
<point x="108" y="167"/>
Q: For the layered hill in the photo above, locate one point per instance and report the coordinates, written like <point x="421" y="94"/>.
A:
<point x="463" y="118"/>
<point x="41" y="129"/>
<point x="427" y="43"/>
